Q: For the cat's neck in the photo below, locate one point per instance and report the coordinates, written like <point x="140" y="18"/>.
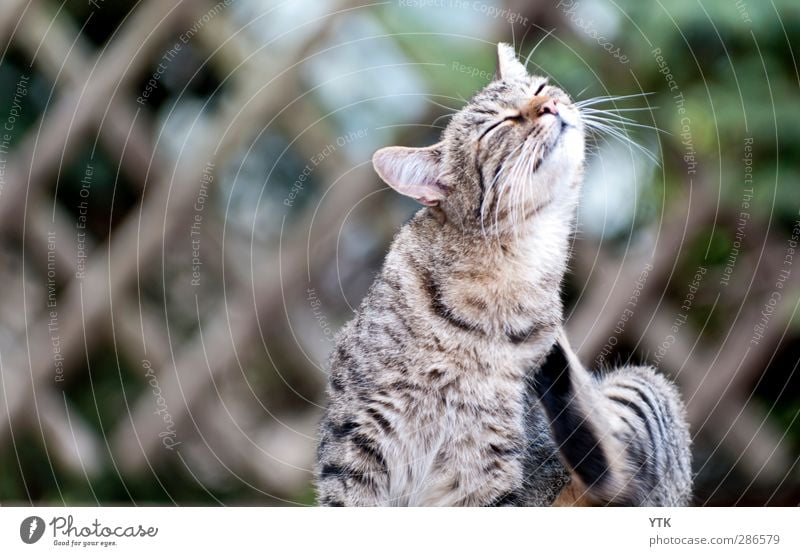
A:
<point x="539" y="241"/>
<point x="498" y="279"/>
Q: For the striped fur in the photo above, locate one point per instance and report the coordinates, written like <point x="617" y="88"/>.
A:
<point x="432" y="389"/>
<point x="623" y="434"/>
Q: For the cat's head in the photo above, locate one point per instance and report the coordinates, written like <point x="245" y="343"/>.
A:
<point x="516" y="147"/>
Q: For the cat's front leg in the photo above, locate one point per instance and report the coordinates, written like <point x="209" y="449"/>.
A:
<point x="622" y="434"/>
<point x="352" y="469"/>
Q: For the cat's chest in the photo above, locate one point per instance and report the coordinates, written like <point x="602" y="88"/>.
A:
<point x="506" y="299"/>
<point x="449" y="441"/>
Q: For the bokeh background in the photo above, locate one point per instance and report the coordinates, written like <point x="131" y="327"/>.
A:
<point x="189" y="214"/>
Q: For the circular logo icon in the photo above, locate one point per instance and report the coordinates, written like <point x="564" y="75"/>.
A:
<point x="31" y="529"/>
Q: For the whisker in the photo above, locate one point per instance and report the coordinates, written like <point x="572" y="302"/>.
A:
<point x="609" y="98"/>
<point x="605" y="129"/>
<point x="528" y="59"/>
<point x="614" y="113"/>
<point x="611" y="130"/>
<point x="623" y="123"/>
<point x="514" y="185"/>
<point x="620" y="97"/>
<point x="440" y="105"/>
<point x="519" y="188"/>
<point x="506" y="186"/>
<point x="583" y="90"/>
<point x="638" y="109"/>
<point x="392" y="126"/>
<point x="516" y="197"/>
<point x="616" y="120"/>
<point x="490" y="187"/>
<point x="513" y="37"/>
<point x="618" y="124"/>
<point x="604" y="112"/>
<point x="523" y="184"/>
<point x="443" y="116"/>
<point x="588" y="112"/>
<point x="519" y="209"/>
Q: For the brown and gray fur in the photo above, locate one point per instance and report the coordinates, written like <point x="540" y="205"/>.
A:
<point x="450" y="387"/>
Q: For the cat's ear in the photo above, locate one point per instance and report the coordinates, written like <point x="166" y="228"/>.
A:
<point x="508" y="66"/>
<point x="413" y="172"/>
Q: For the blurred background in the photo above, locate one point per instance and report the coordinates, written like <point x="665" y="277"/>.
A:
<point x="189" y="215"/>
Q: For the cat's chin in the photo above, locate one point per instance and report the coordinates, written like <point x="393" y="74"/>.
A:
<point x="568" y="147"/>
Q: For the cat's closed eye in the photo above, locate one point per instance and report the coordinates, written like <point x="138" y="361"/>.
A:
<point x="540" y="89"/>
<point x="518" y="117"/>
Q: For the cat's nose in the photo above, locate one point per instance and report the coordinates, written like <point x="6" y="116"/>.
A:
<point x="539" y="106"/>
<point x="548" y="107"/>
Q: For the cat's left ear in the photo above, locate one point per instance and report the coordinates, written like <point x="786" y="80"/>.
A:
<point x="508" y="65"/>
<point x="413" y="172"/>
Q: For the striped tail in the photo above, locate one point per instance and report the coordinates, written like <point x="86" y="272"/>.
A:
<point x="623" y="435"/>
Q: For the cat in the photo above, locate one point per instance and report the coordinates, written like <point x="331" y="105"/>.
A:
<point x="454" y="385"/>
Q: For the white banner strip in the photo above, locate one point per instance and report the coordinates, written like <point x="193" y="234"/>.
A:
<point x="401" y="531"/>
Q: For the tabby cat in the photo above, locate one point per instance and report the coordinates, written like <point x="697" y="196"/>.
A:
<point x="454" y="384"/>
